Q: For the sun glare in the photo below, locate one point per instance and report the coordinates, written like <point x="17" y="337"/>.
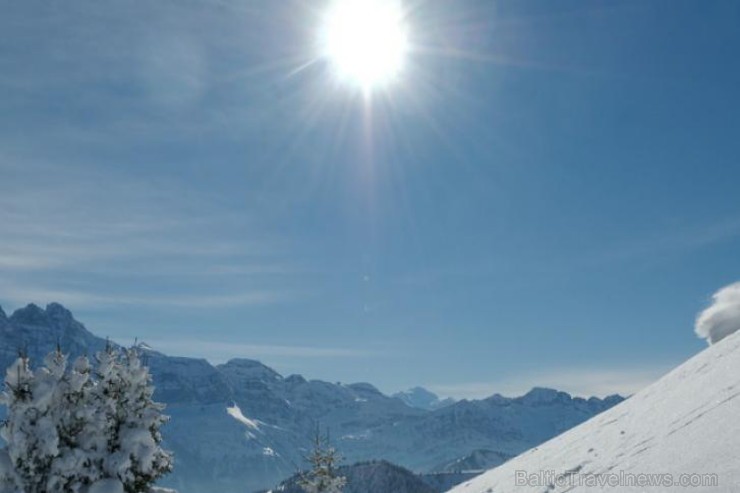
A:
<point x="365" y="40"/>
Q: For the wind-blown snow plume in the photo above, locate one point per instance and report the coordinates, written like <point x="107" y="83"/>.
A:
<point x="722" y="317"/>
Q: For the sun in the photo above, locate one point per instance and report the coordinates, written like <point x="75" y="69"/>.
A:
<point x="365" y="41"/>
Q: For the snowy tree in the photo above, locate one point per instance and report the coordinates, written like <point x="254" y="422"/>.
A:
<point x="72" y="469"/>
<point x="30" y="428"/>
<point x="132" y="421"/>
<point x="323" y="460"/>
<point x="77" y="430"/>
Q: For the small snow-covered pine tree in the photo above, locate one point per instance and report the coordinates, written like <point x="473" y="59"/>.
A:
<point x="72" y="469"/>
<point x="30" y="428"/>
<point x="132" y="421"/>
<point x="322" y="477"/>
<point x="17" y="398"/>
<point x="48" y="418"/>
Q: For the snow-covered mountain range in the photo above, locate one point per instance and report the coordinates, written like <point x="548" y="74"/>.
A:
<point x="682" y="429"/>
<point x="241" y="426"/>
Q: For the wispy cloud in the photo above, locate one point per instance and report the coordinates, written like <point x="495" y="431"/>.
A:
<point x="19" y="296"/>
<point x="673" y="240"/>
<point x="93" y="205"/>
<point x="585" y="382"/>
<point x="219" y="352"/>
<point x="132" y="243"/>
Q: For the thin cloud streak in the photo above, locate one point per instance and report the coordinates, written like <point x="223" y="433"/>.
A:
<point x="674" y="241"/>
<point x="80" y="299"/>
<point x="219" y="352"/>
<point x="65" y="240"/>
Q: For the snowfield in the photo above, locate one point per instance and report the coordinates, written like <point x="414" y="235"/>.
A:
<point x="683" y="428"/>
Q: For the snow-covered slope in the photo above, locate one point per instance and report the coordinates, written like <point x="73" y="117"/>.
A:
<point x="686" y="423"/>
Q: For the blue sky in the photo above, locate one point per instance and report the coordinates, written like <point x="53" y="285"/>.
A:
<point x="548" y="196"/>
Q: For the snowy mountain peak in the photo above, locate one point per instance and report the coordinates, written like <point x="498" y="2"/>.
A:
<point x="543" y="395"/>
<point x="31" y="314"/>
<point x="611" y="400"/>
<point x="3" y="317"/>
<point x="249" y="369"/>
<point x="59" y="313"/>
<point x="54" y="316"/>
<point x="419" y="394"/>
<point x="365" y="388"/>
<point x="38" y="331"/>
<point x="498" y="399"/>
<point x="245" y="363"/>
<point x="293" y="380"/>
<point x="421" y="398"/>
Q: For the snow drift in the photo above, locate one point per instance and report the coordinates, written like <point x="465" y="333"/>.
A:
<point x="683" y="428"/>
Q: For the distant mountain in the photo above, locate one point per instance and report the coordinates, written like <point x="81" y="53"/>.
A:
<point x="369" y="477"/>
<point x="37" y="332"/>
<point x="506" y="425"/>
<point x="421" y="398"/>
<point x="241" y="426"/>
<point x="684" y="427"/>
<point x="444" y="481"/>
<point x="477" y="461"/>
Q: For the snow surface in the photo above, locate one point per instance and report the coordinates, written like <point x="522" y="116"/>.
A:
<point x="685" y="423"/>
<point x="236" y="413"/>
